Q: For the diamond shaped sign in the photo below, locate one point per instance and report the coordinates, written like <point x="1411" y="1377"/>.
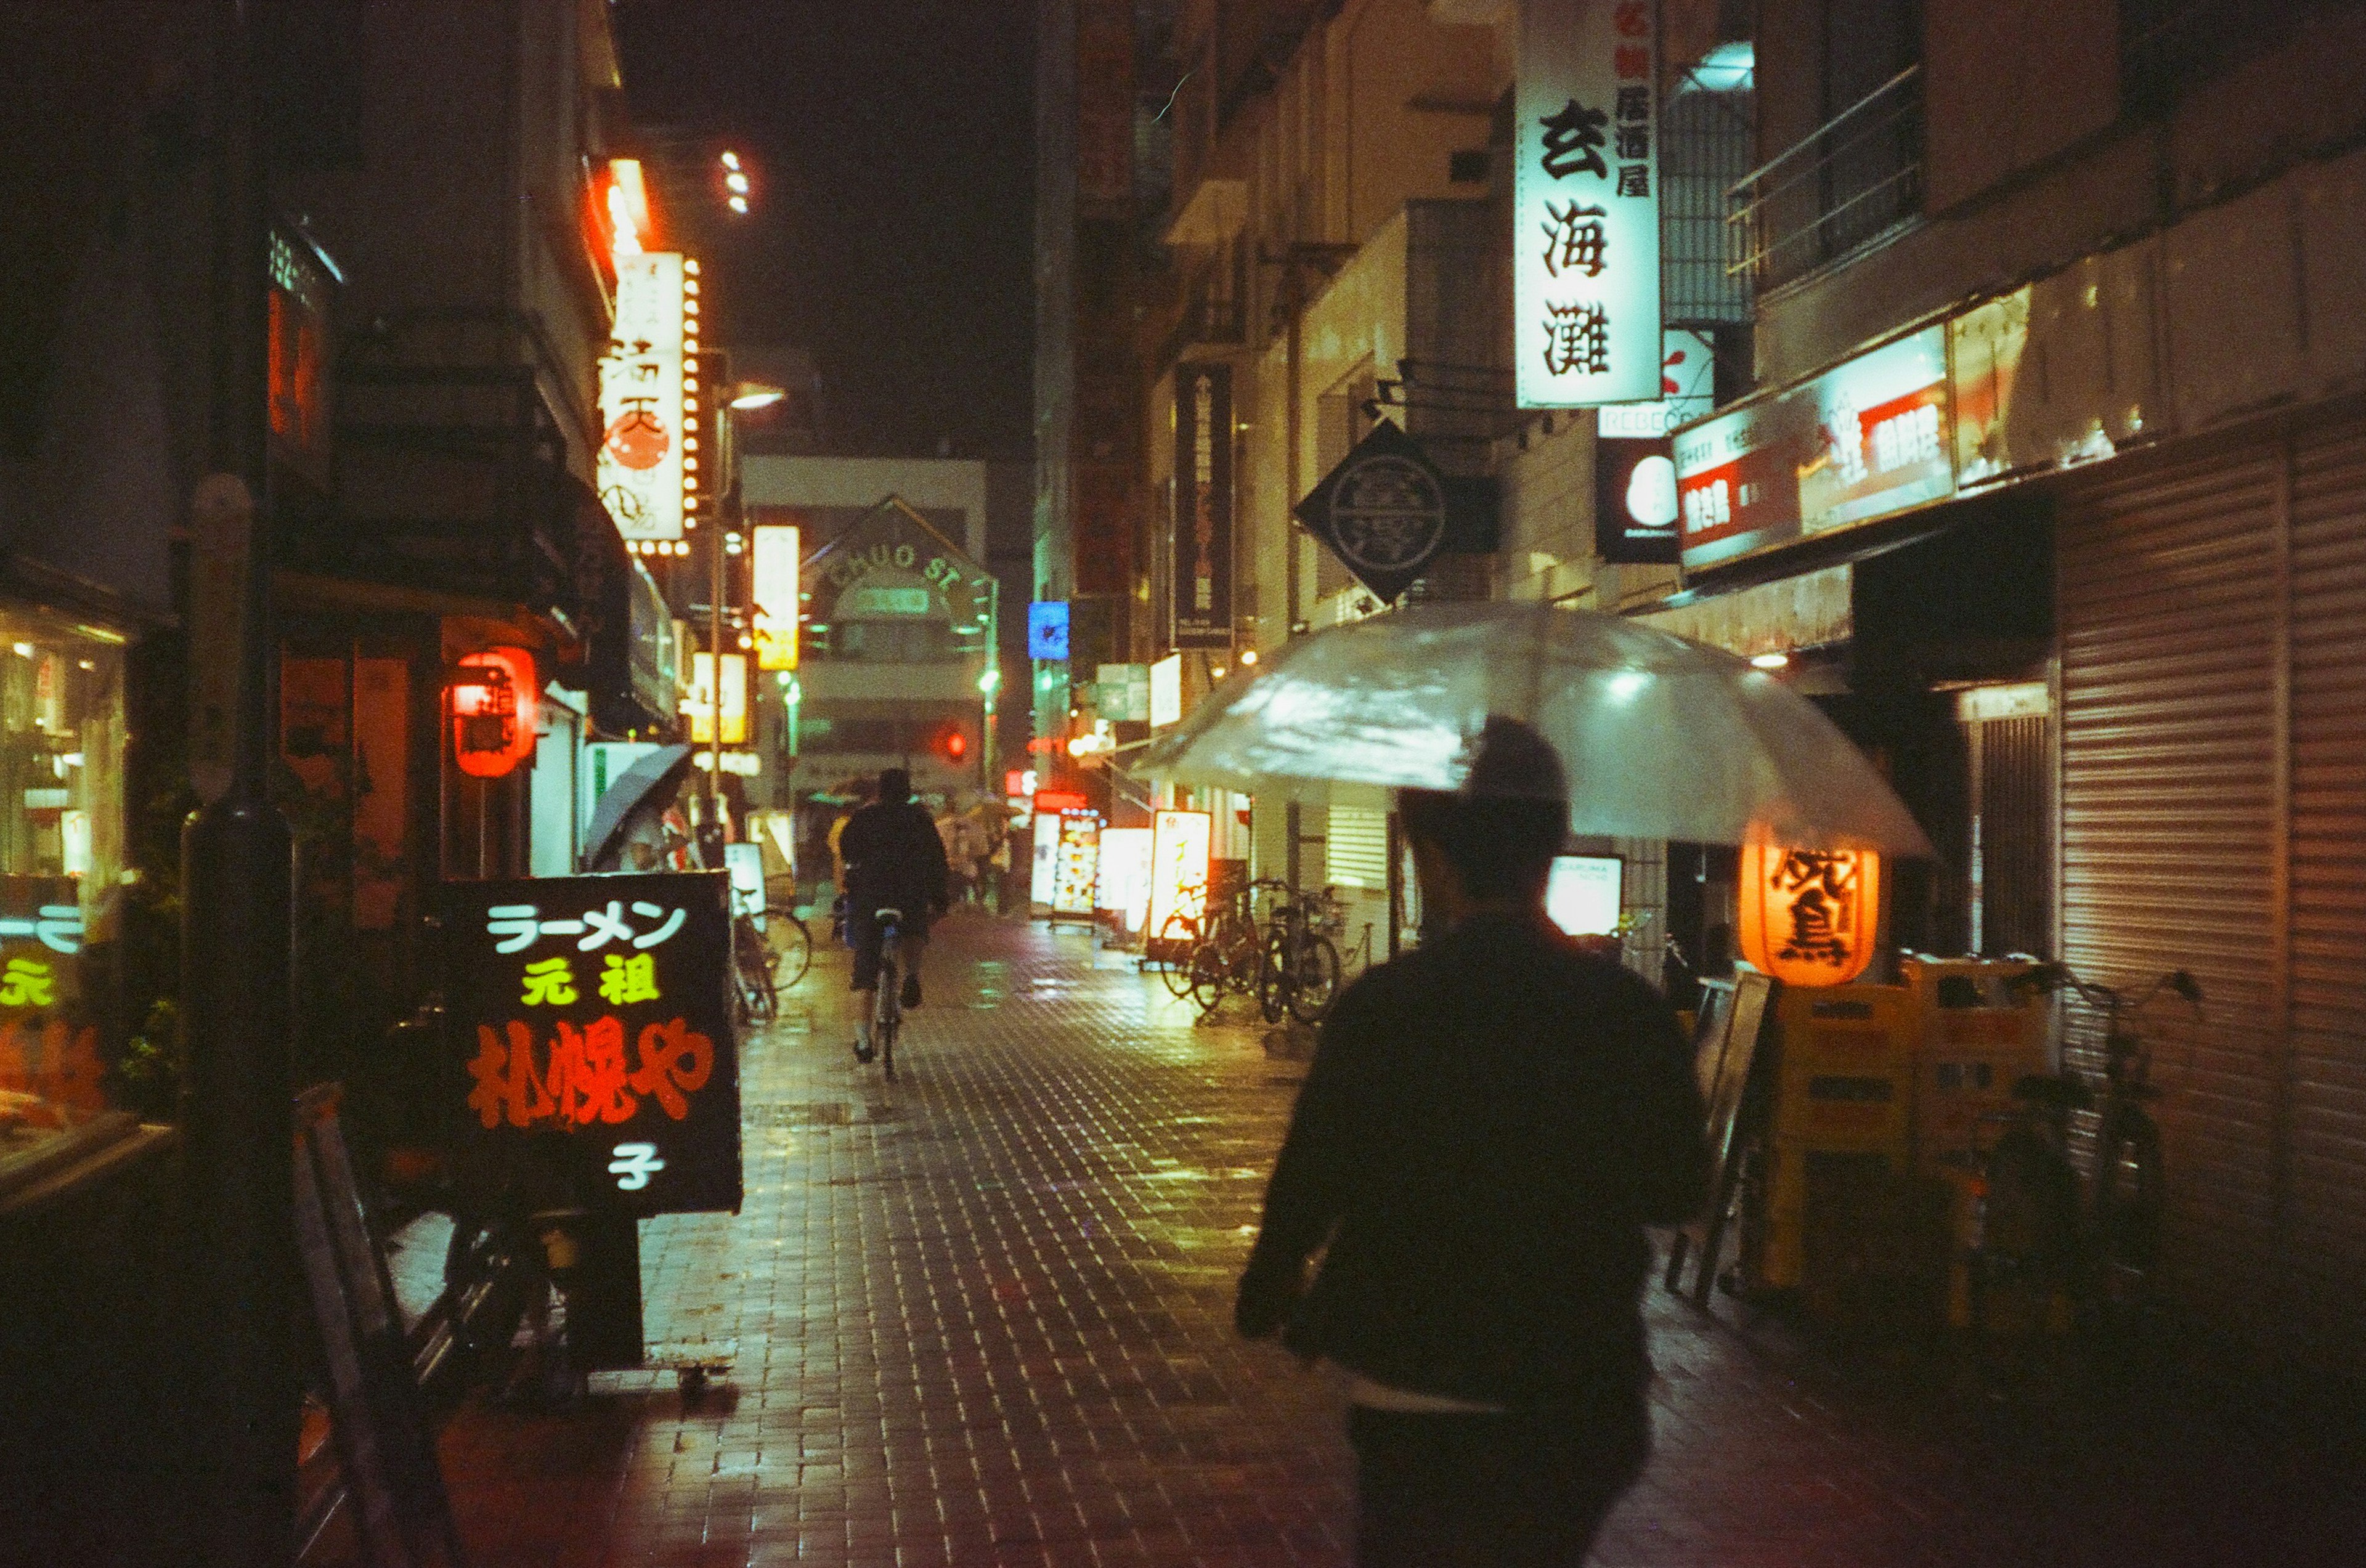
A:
<point x="1382" y="512"/>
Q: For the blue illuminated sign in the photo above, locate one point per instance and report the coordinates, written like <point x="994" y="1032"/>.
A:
<point x="1047" y="630"/>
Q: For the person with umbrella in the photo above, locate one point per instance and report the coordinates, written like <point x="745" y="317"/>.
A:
<point x="1487" y="1124"/>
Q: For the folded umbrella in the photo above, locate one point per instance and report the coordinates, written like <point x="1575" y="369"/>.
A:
<point x="1662" y="737"/>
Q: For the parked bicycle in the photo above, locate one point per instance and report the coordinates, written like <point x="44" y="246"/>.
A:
<point x="1177" y="936"/>
<point x="1297" y="966"/>
<point x="2044" y="1233"/>
<point x="1224" y="961"/>
<point x="751" y="972"/>
<point x="786" y="931"/>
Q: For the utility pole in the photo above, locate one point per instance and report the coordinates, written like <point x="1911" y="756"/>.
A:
<point x="237" y="858"/>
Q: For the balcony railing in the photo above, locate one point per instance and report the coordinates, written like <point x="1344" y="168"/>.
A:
<point x="1821" y="198"/>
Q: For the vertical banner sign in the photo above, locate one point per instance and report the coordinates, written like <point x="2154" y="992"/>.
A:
<point x="1585" y="228"/>
<point x="774" y="571"/>
<point x="641" y="401"/>
<point x="1203" y="511"/>
<point x="698" y="703"/>
<point x="590" y="1034"/>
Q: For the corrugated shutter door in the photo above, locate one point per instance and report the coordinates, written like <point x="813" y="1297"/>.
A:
<point x="1356" y="853"/>
<point x="2169" y="609"/>
<point x="2329" y="880"/>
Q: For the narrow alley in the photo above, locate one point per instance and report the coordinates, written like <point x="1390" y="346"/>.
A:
<point x="981" y="1317"/>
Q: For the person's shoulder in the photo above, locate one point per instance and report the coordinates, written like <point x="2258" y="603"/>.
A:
<point x="1386" y="987"/>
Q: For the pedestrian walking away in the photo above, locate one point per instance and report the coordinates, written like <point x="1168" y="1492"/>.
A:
<point x="894" y="860"/>
<point x="1487" y="1124"/>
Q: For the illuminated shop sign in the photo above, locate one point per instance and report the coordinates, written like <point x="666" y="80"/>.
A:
<point x="698" y="703"/>
<point x="774" y="566"/>
<point x="589" y="1031"/>
<point x="1047" y="630"/>
<point x="1166" y="691"/>
<point x="1866" y="440"/>
<point x="650" y="449"/>
<point x="1125" y="874"/>
<point x="1178" y="869"/>
<point x="1075" y="874"/>
<point x="1586" y="225"/>
<point x="1687" y="391"/>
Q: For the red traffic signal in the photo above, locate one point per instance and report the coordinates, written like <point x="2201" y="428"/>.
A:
<point x="954" y="744"/>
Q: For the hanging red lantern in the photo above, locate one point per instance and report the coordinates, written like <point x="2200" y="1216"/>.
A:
<point x="1809" y="917"/>
<point x="492" y="698"/>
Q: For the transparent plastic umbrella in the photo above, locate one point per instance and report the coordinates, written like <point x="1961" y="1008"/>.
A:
<point x="1662" y="737"/>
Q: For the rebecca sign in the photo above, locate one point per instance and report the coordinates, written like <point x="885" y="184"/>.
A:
<point x="589" y="1032"/>
<point x="642" y="402"/>
<point x="1203" y="506"/>
<point x="1585" y="227"/>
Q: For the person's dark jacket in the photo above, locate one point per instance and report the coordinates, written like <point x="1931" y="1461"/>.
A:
<point x="894" y="860"/>
<point x="1487" y="1124"/>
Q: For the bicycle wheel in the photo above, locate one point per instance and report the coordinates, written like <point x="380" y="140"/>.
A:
<point x="793" y="944"/>
<point x="1273" y="980"/>
<point x="888" y="1018"/>
<point x="1180" y="934"/>
<point x="751" y="974"/>
<point x="1208" y="976"/>
<point x="2128" y="1203"/>
<point x="1314" y="979"/>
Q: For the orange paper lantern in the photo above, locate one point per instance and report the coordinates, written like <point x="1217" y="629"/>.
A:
<point x="1809" y="917"/>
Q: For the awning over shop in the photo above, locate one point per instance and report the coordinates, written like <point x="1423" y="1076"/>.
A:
<point x="1783" y="617"/>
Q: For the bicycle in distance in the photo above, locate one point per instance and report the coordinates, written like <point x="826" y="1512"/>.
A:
<point x="887" y="1002"/>
<point x="2055" y="1241"/>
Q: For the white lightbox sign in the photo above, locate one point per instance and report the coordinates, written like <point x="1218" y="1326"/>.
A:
<point x="1585" y="228"/>
<point x="641" y="401"/>
<point x="1687" y="391"/>
<point x="774" y="568"/>
<point x="1166" y="692"/>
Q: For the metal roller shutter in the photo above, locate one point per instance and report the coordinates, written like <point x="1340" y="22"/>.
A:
<point x="1356" y="852"/>
<point x="2170" y="598"/>
<point x="2329" y="880"/>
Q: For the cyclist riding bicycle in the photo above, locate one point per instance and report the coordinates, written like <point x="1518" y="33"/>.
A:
<point x="894" y="860"/>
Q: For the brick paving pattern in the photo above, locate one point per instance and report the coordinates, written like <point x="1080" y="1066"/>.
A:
<point x="981" y="1317"/>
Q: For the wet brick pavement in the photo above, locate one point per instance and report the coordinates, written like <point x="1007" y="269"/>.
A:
<point x="981" y="1317"/>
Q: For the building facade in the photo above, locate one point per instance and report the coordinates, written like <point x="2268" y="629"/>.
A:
<point x="2099" y="604"/>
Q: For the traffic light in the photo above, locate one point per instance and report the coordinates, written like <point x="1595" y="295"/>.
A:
<point x="954" y="745"/>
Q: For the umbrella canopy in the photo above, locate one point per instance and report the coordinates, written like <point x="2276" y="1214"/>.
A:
<point x="1662" y="737"/>
<point x="632" y="786"/>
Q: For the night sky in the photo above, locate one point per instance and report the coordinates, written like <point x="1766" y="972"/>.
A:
<point x="893" y="233"/>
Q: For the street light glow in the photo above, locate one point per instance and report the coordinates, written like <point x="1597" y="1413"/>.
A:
<point x="757" y="395"/>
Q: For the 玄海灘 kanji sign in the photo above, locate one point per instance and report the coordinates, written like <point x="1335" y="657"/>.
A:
<point x="1586" y="231"/>
<point x="589" y="1029"/>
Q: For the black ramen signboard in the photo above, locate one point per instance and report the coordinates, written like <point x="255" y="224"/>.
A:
<point x="590" y="1020"/>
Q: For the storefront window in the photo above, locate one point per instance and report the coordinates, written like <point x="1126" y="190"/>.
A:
<point x="62" y="859"/>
